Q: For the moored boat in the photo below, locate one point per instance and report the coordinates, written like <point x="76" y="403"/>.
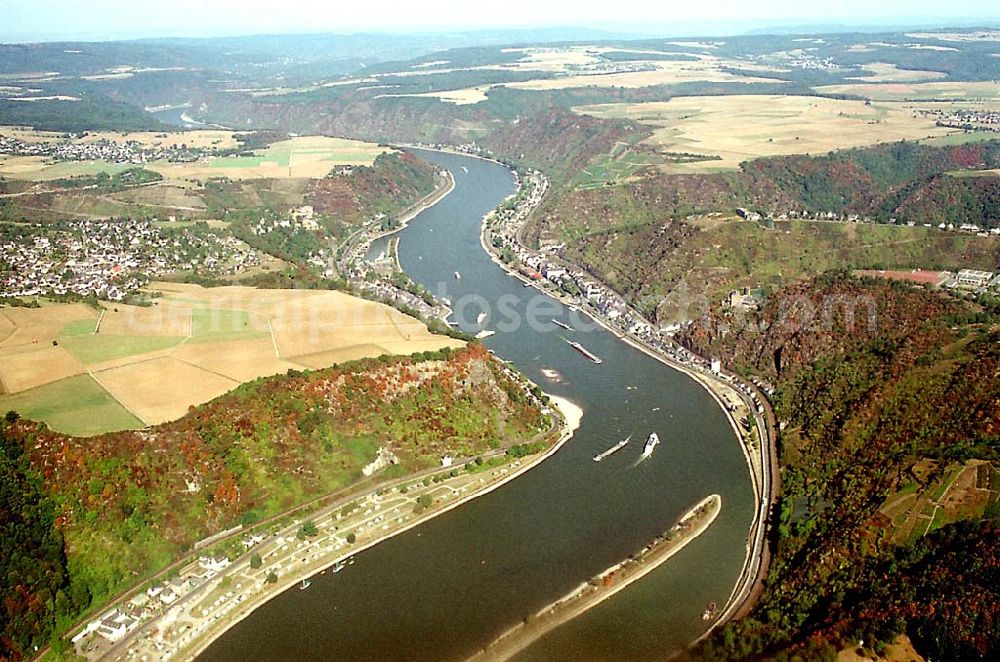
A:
<point x="709" y="612"/>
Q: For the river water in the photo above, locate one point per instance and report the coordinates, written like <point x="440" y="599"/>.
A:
<point x="447" y="588"/>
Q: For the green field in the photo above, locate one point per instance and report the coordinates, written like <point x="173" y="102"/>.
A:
<point x="281" y="155"/>
<point x="78" y="328"/>
<point x="270" y="155"/>
<point x="77" y="406"/>
<point x="975" y="173"/>
<point x="961" y="138"/>
<point x="220" y="324"/>
<point x="91" y="349"/>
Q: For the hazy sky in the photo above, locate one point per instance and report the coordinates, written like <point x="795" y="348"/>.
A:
<point x="46" y="19"/>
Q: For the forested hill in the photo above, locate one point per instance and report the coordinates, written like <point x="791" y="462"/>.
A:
<point x="394" y="182"/>
<point x="888" y="398"/>
<point x="558" y="141"/>
<point x="903" y="180"/>
<point x="82" y="519"/>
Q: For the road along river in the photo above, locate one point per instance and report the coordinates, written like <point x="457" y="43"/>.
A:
<point x="446" y="589"/>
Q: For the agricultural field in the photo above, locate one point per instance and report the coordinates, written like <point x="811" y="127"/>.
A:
<point x="963" y="138"/>
<point x="562" y="68"/>
<point x="707" y="70"/>
<point x="309" y="157"/>
<point x="741" y="127"/>
<point x="207" y="139"/>
<point x="277" y="177"/>
<point x="958" y="492"/>
<point x="460" y="97"/>
<point x="619" y="165"/>
<point x="40" y="169"/>
<point x="303" y="157"/>
<point x="84" y="370"/>
<point x="883" y="72"/>
<point x="985" y="90"/>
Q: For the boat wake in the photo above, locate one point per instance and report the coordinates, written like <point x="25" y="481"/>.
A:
<point x="651" y="443"/>
<point x="614" y="449"/>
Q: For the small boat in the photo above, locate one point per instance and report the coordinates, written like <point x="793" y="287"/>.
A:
<point x="485" y="334"/>
<point x="651" y="443"/>
<point x="458" y="276"/>
<point x="562" y="324"/>
<point x="338" y="566"/>
<point x="614" y="449"/>
<point x="305" y="584"/>
<point x="527" y="285"/>
<point x="465" y="170"/>
<point x="709" y="612"/>
<point x="481" y="318"/>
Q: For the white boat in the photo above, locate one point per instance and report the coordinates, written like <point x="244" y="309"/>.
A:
<point x="481" y="318"/>
<point x="305" y="584"/>
<point x="651" y="443"/>
<point x="458" y="276"/>
<point x="485" y="334"/>
<point x="614" y="449"/>
<point x="464" y="169"/>
<point x="338" y="566"/>
<point x="562" y="324"/>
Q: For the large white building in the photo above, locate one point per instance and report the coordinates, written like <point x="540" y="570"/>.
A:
<point x="973" y="279"/>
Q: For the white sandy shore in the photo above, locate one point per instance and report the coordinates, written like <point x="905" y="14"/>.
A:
<point x="522" y="635"/>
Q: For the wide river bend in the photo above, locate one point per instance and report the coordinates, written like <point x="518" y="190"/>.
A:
<point x="447" y="588"/>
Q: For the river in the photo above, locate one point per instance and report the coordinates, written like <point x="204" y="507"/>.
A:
<point x="449" y="587"/>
